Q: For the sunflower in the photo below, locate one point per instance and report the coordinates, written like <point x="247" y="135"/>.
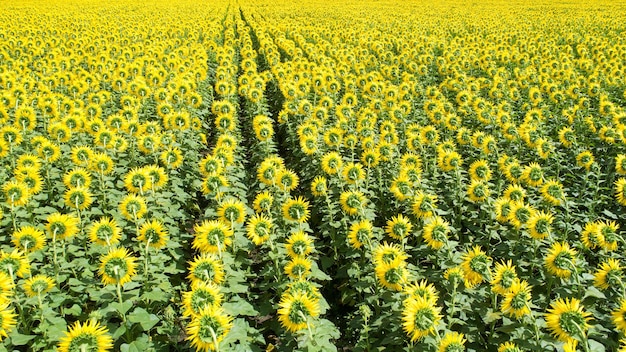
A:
<point x="153" y="233"/>
<point x="609" y="274"/>
<point x="263" y="202"/>
<point x="49" y="151"/>
<point x="77" y="177"/>
<point x="287" y="180"/>
<point x="29" y="239"/>
<point x="298" y="268"/>
<point x="28" y="161"/>
<point x="503" y="208"/>
<point x="319" y="186"/>
<point x="552" y="192"/>
<point x="117" y="267"/>
<point x="436" y="232"/>
<point x="17" y="193"/>
<point x="353" y="173"/>
<point x="515" y="193"/>
<point x="585" y="159"/>
<point x="14" y="263"/>
<point x="419" y="317"/>
<point x="133" y="207"/>
<point x="137" y="180"/>
<point x="88" y="336"/>
<point x="452" y="342"/>
<point x="101" y="163"/>
<point x="516" y="301"/>
<point x="172" y="157"/>
<point x="78" y="198"/>
<point x="503" y="277"/>
<point x="533" y="175"/>
<point x="210" y="164"/>
<point x="479" y="171"/>
<point x="38" y="285"/>
<point x="231" y="211"/>
<point x="202" y="294"/>
<point x="478" y="191"/>
<point x="590" y="236"/>
<point x="401" y="187"/>
<point x="513" y="171"/>
<point x="619" y="317"/>
<point x="609" y="238"/>
<point x="539" y="225"/>
<point x="476" y="266"/>
<point x="561" y="260"/>
<point x="295" y="309"/>
<point x="31" y="178"/>
<point x="508" y="347"/>
<point x="423" y="290"/>
<point x="620" y="191"/>
<point x="331" y="163"/>
<point x="213" y="184"/>
<point x="519" y="214"/>
<point x="567" y="137"/>
<point x="6" y="287"/>
<point x="206" y="267"/>
<point x="7" y="319"/>
<point x="212" y="236"/>
<point x="360" y="233"/>
<point x="305" y="287"/>
<point x="296" y="209"/>
<point x="424" y="205"/>
<point x="259" y="229"/>
<point x="370" y="158"/>
<point x="392" y="275"/>
<point x="390" y="254"/>
<point x="567" y="320"/>
<point x="158" y="176"/>
<point x="352" y="202"/>
<point x="299" y="244"/>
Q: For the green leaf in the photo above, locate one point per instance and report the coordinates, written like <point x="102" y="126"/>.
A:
<point x="18" y="339"/>
<point x="238" y="306"/>
<point x="144" y="318"/>
<point x="596" y="346"/>
<point x="122" y="308"/>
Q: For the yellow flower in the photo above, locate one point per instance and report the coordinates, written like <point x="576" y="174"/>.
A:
<point x="539" y="225"/>
<point x="208" y="328"/>
<point x="263" y="202"/>
<point x="561" y="260"/>
<point x="609" y="238"/>
<point x="591" y="237"/>
<point x="552" y="192"/>
<point x="533" y="175"/>
<point x="360" y="233"/>
<point x="352" y="202"/>
<point x="508" y="347"/>
<point x="137" y="180"/>
<point x="172" y="157"/>
<point x="133" y="207"/>
<point x="231" y="211"/>
<point x="296" y="209"/>
<point x="295" y="309"/>
<point x="101" y="163"/>
<point x="479" y="171"/>
<point x="78" y="177"/>
<point x="298" y="268"/>
<point x="78" y="198"/>
<point x="452" y="342"/>
<point x="287" y="180"/>
<point x="299" y="244"/>
<point x="476" y="266"/>
<point x="516" y="301"/>
<point x="515" y="193"/>
<point x="436" y="232"/>
<point x="212" y="236"/>
<point x="353" y="173"/>
<point x="478" y="191"/>
<point x="391" y="275"/>
<point x="390" y="254"/>
<point x="14" y="263"/>
<point x="567" y="320"/>
<point x="422" y="290"/>
<point x="620" y="191"/>
<point x="29" y="239"/>
<point x="419" y="317"/>
<point x="424" y="205"/>
<point x="17" y="193"/>
<point x="319" y="186"/>
<point x="38" y="285"/>
<point x="207" y="268"/>
<point x="117" y="267"/>
<point x="202" y="294"/>
<point x="609" y="274"/>
<point x="331" y="163"/>
<point x="153" y="233"/>
<point x="259" y="229"/>
<point x="503" y="277"/>
<point x="585" y="159"/>
<point x="503" y="208"/>
<point x="619" y="317"/>
<point x="519" y="214"/>
<point x="7" y="319"/>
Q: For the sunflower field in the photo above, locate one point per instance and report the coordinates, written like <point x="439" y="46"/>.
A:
<point x="312" y="176"/>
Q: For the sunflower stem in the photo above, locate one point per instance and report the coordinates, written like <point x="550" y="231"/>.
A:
<point x="54" y="255"/>
<point x="216" y="343"/>
<point x="147" y="261"/>
<point x="583" y="337"/>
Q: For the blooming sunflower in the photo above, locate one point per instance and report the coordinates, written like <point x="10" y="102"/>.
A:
<point x="78" y="198"/>
<point x="133" y="207"/>
<point x="567" y="320"/>
<point x="478" y="191"/>
<point x="390" y="254"/>
<point x="296" y="209"/>
<point x="172" y="157"/>
<point x="137" y="180"/>
<point x="17" y="193"/>
<point x="561" y="260"/>
<point x="153" y="233"/>
<point x="231" y="211"/>
<point x="287" y="180"/>
<point x="503" y="277"/>
<point x="452" y="342"/>
<point x="516" y="301"/>
<point x="14" y="263"/>
<point x="419" y="317"/>
<point x="436" y="232"/>
<point x="259" y="229"/>
<point x="479" y="171"/>
<point x="424" y="205"/>
<point x="117" y="267"/>
<point x="352" y="202"/>
<point x="423" y="290"/>
<point x="620" y="191"/>
<point x="206" y="267"/>
<point x="539" y="225"/>
<point x="503" y="209"/>
<point x="38" y="285"/>
<point x="619" y="317"/>
<point x="609" y="238"/>
<point x="515" y="193"/>
<point x="508" y="347"/>
<point x="201" y="294"/>
<point x="353" y="173"/>
<point x="391" y="275"/>
<point x="331" y="163"/>
<point x="360" y="233"/>
<point x="31" y="178"/>
<point x="29" y="239"/>
<point x="401" y="187"/>
<point x="590" y="236"/>
<point x="90" y="336"/>
<point x="295" y="309"/>
<point x="7" y="319"/>
<point x="263" y="202"/>
<point x="212" y="236"/>
<point x="105" y="232"/>
<point x="552" y="192"/>
<point x="210" y="164"/>
<point x="77" y="177"/>
<point x="299" y="244"/>
<point x="609" y="274"/>
<point x="399" y="227"/>
<point x="519" y="214"/>
<point x="585" y="159"/>
<point x="157" y="175"/>
<point x="298" y="268"/>
<point x="101" y="163"/>
<point x="476" y="266"/>
<point x="319" y="186"/>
